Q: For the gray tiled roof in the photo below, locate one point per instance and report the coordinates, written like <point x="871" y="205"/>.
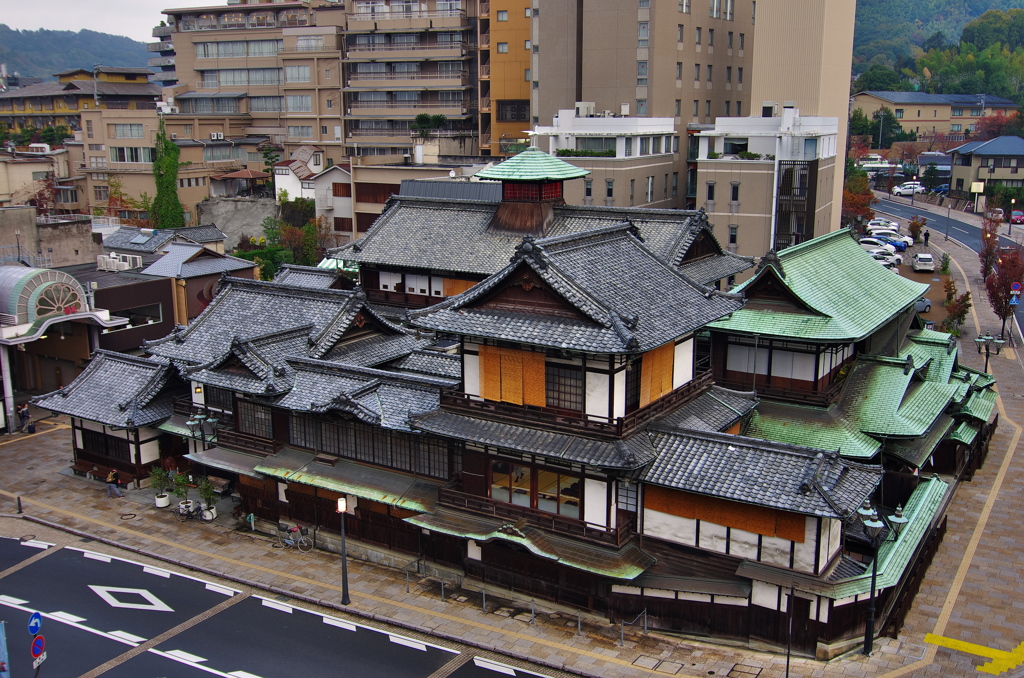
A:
<point x="203" y="233"/>
<point x="452" y="235"/>
<point x="627" y="299"/>
<point x="714" y="410"/>
<point x="634" y="452"/>
<point x="787" y="477"/>
<point x="375" y="350"/>
<point x="933" y="99"/>
<point x="121" y="239"/>
<point x="431" y="363"/>
<point x="185" y="260"/>
<point x="709" y="269"/>
<point x="117" y="390"/>
<point x="306" y="276"/>
<point x="142" y="90"/>
<point x="263" y="357"/>
<point x="1004" y="145"/>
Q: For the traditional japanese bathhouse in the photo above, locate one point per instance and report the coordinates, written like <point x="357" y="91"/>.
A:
<point x="423" y="250"/>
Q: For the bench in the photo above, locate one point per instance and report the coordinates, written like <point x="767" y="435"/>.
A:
<point x="99" y="472"/>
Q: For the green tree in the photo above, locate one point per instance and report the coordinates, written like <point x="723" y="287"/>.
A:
<point x="167" y="209"/>
<point x="270" y="156"/>
<point x="426" y="123"/>
<point x="860" y="125"/>
<point x="272" y="230"/>
<point x="937" y="40"/>
<point x="310" y="251"/>
<point x="930" y="178"/>
<point x="54" y="136"/>
<point x="881" y="78"/>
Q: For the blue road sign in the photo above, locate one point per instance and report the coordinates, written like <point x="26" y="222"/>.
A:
<point x="1014" y="301"/>
<point x="38" y="646"/>
<point x="35" y="622"/>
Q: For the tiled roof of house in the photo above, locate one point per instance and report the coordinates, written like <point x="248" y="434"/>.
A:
<point x="627" y="299"/>
<point x="714" y="410"/>
<point x="84" y="88"/>
<point x="822" y="428"/>
<point x="185" y="260"/>
<point x="306" y="276"/>
<point x="927" y="98"/>
<point x="452" y="235"/>
<point x="203" y="233"/>
<point x="132" y="239"/>
<point x="786" y="477"/>
<point x="532" y="164"/>
<point x="375" y="350"/>
<point x="115" y="389"/>
<point x="849" y="295"/>
<point x="431" y="363"/>
<point x="1004" y="145"/>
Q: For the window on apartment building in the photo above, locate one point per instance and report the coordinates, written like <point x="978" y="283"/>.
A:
<point x="67" y="195"/>
<point x="299" y="103"/>
<point x="675" y="184"/>
<point x="101" y="193"/>
<point x="449" y="5"/>
<point x="711" y="191"/>
<point x="957" y="112"/>
<point x="131" y="154"/>
<point x="527" y="44"/>
<point x="729" y="8"/>
<point x="327" y="74"/>
<point x="300" y="131"/>
<point x="696" y="71"/>
<point x="956" y="127"/>
<point x="739" y="75"/>
<point x="733" y="229"/>
<point x="711" y="37"/>
<point x="252" y="156"/>
<point x="899" y="113"/>
<point x="679" y="70"/>
<point x="502" y="48"/>
<point x="679" y="33"/>
<point x="88" y="129"/>
<point x="296" y="73"/>
<point x="41" y="176"/>
<point x="309" y="43"/>
<point x="679" y="107"/>
<point x="649" y="190"/>
<point x="609" y="188"/>
<point x="628" y="146"/>
<point x="643" y="33"/>
<point x="641" y="106"/>
<point x="323" y="130"/>
<point x="727" y="108"/>
<point x="684" y="6"/>
<point x="645" y="145"/>
<point x="641" y="74"/>
<point x="728" y="41"/>
<point x="715" y="9"/>
<point x="742" y="40"/>
<point x="264" y="105"/>
<point x="502" y="15"/>
<point x="753" y="12"/>
<point x="735" y="195"/>
<point x="710" y="67"/>
<point x="675" y="144"/>
<point x="529" y="13"/>
<point x="588" y="188"/>
<point x="728" y="73"/>
<point x="527" y="73"/>
<point x="513" y="110"/>
<point x="96" y="147"/>
<point x="632" y="191"/>
<point x="127" y="131"/>
<point x="214" y="153"/>
<point x="645" y="3"/>
<point x="975" y="111"/>
<point x="736" y="145"/>
<point x="696" y="37"/>
<point x="329" y="104"/>
<point x="656" y="145"/>
<point x="738" y="114"/>
<point x="696" y="107"/>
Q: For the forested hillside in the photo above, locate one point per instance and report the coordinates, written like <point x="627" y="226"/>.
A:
<point x="42" y="53"/>
<point x="887" y="29"/>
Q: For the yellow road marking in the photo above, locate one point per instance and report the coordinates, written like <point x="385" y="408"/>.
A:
<point x="378" y="599"/>
<point x="37" y="433"/>
<point x="1002" y="661"/>
<point x="1009" y="353"/>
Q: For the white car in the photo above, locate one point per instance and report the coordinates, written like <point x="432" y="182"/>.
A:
<point x="874" y="244"/>
<point x="878" y="222"/>
<point x="909" y="188"/>
<point x="891" y="235"/>
<point x="923" y="262"/>
<point x="886" y="258"/>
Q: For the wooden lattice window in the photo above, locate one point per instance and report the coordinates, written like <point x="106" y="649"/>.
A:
<point x="564" y="387"/>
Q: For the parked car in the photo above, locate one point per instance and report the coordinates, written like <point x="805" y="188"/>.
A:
<point x="941" y="189"/>
<point x="1016" y="217"/>
<point x="923" y="305"/>
<point x="898" y="242"/>
<point x="996" y="213"/>
<point x="886" y="258"/>
<point x="909" y="188"/>
<point x="874" y="244"/>
<point x="878" y="222"/>
<point x="891" y="235"/>
<point x="923" y="262"/>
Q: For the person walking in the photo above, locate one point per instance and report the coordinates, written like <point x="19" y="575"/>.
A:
<point x="23" y="416"/>
<point x="927" y="235"/>
<point x="112" y="481"/>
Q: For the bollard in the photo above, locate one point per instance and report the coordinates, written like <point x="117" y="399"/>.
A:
<point x="533" y="612"/>
<point x="622" y="634"/>
<point x="442" y="590"/>
<point x="579" y="623"/>
<point x="19" y="505"/>
<point x="645" y="620"/>
<point x="407" y="580"/>
<point x="483" y="606"/>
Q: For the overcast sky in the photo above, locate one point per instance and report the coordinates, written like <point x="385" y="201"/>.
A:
<point x="133" y="18"/>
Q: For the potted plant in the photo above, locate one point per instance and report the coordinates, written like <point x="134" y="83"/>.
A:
<point x="180" y="490"/>
<point x="159" y="480"/>
<point x="208" y="494"/>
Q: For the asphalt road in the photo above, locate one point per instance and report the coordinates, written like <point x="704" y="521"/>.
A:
<point x="96" y="608"/>
<point x="968" y="234"/>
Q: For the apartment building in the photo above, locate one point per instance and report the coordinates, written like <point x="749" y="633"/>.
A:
<point x="931" y="115"/>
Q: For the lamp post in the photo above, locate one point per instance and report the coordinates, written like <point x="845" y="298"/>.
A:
<point x="987" y="340"/>
<point x="913" y="191"/>
<point x="198" y="425"/>
<point x="949" y="208"/>
<point x="342" y="508"/>
<point x="1009" y="226"/>
<point x="873" y="527"/>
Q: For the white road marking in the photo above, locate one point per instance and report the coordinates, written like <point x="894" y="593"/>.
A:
<point x="157" y="571"/>
<point x="32" y="543"/>
<point x="96" y="556"/>
<point x="131" y="638"/>
<point x="494" y="666"/>
<point x="205" y="669"/>
<point x="331" y="621"/>
<point x="154" y="604"/>
<point x="5" y="600"/>
<point x="399" y="640"/>
<point x="185" y="656"/>
<point x="11" y="600"/>
<point x="274" y="605"/>
<point x="66" y="616"/>
<point x="243" y="674"/>
<point x="223" y="590"/>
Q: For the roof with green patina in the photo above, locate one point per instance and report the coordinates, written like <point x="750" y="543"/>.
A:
<point x="980" y="404"/>
<point x="847" y="293"/>
<point x="882" y="397"/>
<point x="965" y="432"/>
<point x="532" y="164"/>
<point x="824" y="429"/>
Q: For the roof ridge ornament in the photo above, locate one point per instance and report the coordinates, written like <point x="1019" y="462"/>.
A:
<point x="771" y="258"/>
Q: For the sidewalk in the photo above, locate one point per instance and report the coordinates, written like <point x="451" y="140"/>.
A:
<point x="974" y="590"/>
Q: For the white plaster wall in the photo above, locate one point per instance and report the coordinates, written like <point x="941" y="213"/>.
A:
<point x="670" y="528"/>
<point x="742" y="544"/>
<point x="682" y="364"/>
<point x="471" y="371"/>
<point x="696" y="597"/>
<point x="803" y="366"/>
<point x="803" y="554"/>
<point x="741" y="359"/>
<point x="631" y="590"/>
<point x="419" y="284"/>
<point x="91" y="425"/>
<point x="149" y="451"/>
<point x="619" y="406"/>
<point x="660" y="593"/>
<point x="281" y="487"/>
<point x="711" y="537"/>
<point x="731" y="600"/>
<point x="595" y="502"/>
<point x="830" y="540"/>
<point x="823" y="610"/>
<point x="775" y="551"/>
<point x="78" y="439"/>
<point x="198" y="398"/>
<point x="473" y="551"/>
<point x="764" y="595"/>
<point x="597" y="394"/>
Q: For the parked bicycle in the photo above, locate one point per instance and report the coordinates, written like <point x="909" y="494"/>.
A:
<point x="194" y="513"/>
<point x="297" y="536"/>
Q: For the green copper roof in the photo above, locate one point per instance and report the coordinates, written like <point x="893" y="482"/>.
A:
<point x="852" y="295"/>
<point x="980" y="404"/>
<point x="883" y="398"/>
<point x="965" y="433"/>
<point x="825" y="429"/>
<point x="533" y="164"/>
<point x="916" y="451"/>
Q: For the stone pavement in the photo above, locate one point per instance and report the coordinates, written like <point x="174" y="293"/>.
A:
<point x="974" y="590"/>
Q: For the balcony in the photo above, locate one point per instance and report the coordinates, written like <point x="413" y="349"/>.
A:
<point x="162" y="31"/>
<point x="243" y="442"/>
<point x="156" y="62"/>
<point x="379" y="52"/>
<point x="411" y="108"/>
<point x="793" y="395"/>
<point x="394" y="21"/>
<point x="548" y="521"/>
<point x="566" y="422"/>
<point x="401" y="298"/>
<point x="164" y="76"/>
<point x="425" y="80"/>
<point x="162" y="46"/>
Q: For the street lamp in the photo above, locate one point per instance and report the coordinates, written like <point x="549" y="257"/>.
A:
<point x="342" y="508"/>
<point x="873" y="527"/>
<point x="987" y="340"/>
<point x="1009" y="226"/>
<point x="913" y="191"/>
<point x="198" y="425"/>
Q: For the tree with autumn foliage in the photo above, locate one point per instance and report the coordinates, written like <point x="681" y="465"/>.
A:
<point x="857" y="198"/>
<point x="989" y="253"/>
<point x="957" y="308"/>
<point x="1010" y="269"/>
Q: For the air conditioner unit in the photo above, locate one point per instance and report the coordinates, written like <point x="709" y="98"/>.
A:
<point x="174" y="135"/>
<point x="213" y="135"/>
<point x="122" y="266"/>
<point x="220" y="135"/>
<point x="134" y="261"/>
<point x="102" y="261"/>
